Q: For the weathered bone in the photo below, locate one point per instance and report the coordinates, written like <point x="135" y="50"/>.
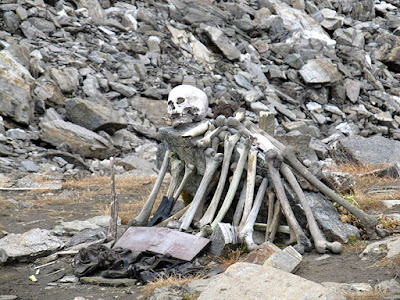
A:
<point x="303" y="243"/>
<point x="250" y="184"/>
<point x="239" y="207"/>
<point x="271" y="200"/>
<point x="320" y="243"/>
<point x="276" y="220"/>
<point x="246" y="234"/>
<point x="189" y="169"/>
<point x="215" y="143"/>
<point x="176" y="170"/>
<point x="229" y="145"/>
<point x="243" y="151"/>
<point x="367" y="220"/>
<point x="198" y="130"/>
<point x="206" y="140"/>
<point x="144" y="214"/>
<point x="213" y="160"/>
<point x="176" y="216"/>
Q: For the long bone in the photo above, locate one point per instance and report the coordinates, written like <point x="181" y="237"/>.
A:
<point x="303" y="243"/>
<point x="239" y="207"/>
<point x="213" y="160"/>
<point x="276" y="219"/>
<point x="246" y="234"/>
<point x="250" y="184"/>
<point x="206" y="140"/>
<point x="176" y="170"/>
<point x="252" y="130"/>
<point x="189" y="169"/>
<point x="229" y="145"/>
<point x="144" y="214"/>
<point x="367" y="220"/>
<point x="243" y="151"/>
<point x="198" y="130"/>
<point x="271" y="200"/>
<point x="320" y="243"/>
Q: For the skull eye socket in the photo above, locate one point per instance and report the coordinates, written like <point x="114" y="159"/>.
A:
<point x="180" y="100"/>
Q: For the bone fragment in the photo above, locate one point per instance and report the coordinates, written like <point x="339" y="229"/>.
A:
<point x="271" y="200"/>
<point x="215" y="143"/>
<point x="189" y="169"/>
<point x="113" y="227"/>
<point x="229" y="145"/>
<point x="213" y="160"/>
<point x="243" y="152"/>
<point x="239" y="207"/>
<point x="367" y="220"/>
<point x="176" y="170"/>
<point x="303" y="243"/>
<point x="206" y="140"/>
<point x="250" y="184"/>
<point x="320" y="243"/>
<point x="246" y="234"/>
<point x="143" y="217"/>
<point x="198" y="130"/>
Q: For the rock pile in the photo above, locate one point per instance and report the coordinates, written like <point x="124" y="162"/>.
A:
<point x="83" y="80"/>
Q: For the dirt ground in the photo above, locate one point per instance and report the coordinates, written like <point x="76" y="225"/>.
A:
<point x="22" y="210"/>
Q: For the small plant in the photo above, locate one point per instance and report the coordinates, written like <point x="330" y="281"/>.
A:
<point x="370" y="295"/>
<point x="162" y="281"/>
<point x="354" y="244"/>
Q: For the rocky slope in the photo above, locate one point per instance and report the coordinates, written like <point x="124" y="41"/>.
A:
<point x="83" y="80"/>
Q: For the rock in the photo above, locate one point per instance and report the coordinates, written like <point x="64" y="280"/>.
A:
<point x="375" y="150"/>
<point x="266" y="283"/>
<point x="94" y="116"/>
<point x="388" y="286"/>
<point x="154" y="110"/>
<point x="115" y="282"/>
<point x="328" y="219"/>
<point x="29" y="245"/>
<point x="223" y="239"/>
<point x="287" y="260"/>
<point x="261" y="253"/>
<point x="320" y="71"/>
<point x="29" y="166"/>
<point x="67" y="79"/>
<point x="222" y="42"/>
<point x="16" y="84"/>
<point x="76" y="138"/>
<point x="390" y="247"/>
<point x="141" y="166"/>
<point x="92" y="223"/>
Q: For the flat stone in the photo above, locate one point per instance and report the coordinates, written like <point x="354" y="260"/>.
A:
<point x="261" y="253"/>
<point x="222" y="42"/>
<point x="320" y="70"/>
<point x="254" y="282"/>
<point x="115" y="282"/>
<point x="390" y="203"/>
<point x="287" y="260"/>
<point x="92" y="223"/>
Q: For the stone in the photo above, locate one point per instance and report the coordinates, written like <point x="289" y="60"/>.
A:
<point x="222" y="42"/>
<point x="266" y="283"/>
<point x="123" y="89"/>
<point x="94" y="116"/>
<point x="261" y="253"/>
<point x="153" y="109"/>
<point x="76" y="138"/>
<point x="29" y="166"/>
<point x="78" y="226"/>
<point x="389" y="247"/>
<point x="320" y="71"/>
<point x="29" y="245"/>
<point x="287" y="260"/>
<point x="375" y="150"/>
<point x="115" y="282"/>
<point x="352" y="88"/>
<point x="16" y="84"/>
<point x="223" y="239"/>
<point x="67" y="79"/>
<point x="141" y="166"/>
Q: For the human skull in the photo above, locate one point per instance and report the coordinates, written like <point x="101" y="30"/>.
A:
<point x="186" y="104"/>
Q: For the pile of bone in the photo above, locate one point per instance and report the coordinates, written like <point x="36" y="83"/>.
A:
<point x="217" y="140"/>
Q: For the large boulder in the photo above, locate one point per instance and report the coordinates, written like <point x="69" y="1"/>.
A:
<point x="16" y="85"/>
<point x="251" y="281"/>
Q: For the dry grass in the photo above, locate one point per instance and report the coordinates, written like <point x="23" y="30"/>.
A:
<point x="362" y="194"/>
<point x="230" y="258"/>
<point x="160" y="282"/>
<point x="390" y="263"/>
<point x="370" y="295"/>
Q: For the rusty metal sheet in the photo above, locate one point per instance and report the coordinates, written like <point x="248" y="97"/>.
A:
<point x="162" y="240"/>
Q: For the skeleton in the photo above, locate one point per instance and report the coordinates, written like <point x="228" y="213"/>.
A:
<point x="237" y="136"/>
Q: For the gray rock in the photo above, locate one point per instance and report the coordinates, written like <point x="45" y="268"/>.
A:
<point x="266" y="283"/>
<point x="115" y="282"/>
<point x="328" y="219"/>
<point x="223" y="239"/>
<point x="125" y="90"/>
<point x="222" y="42"/>
<point x="287" y="260"/>
<point x="29" y="166"/>
<point x="94" y="116"/>
<point x="76" y="138"/>
<point x="29" y="245"/>
<point x="320" y="71"/>
<point x="375" y="150"/>
<point x="142" y="166"/>
<point x="67" y="78"/>
<point x="76" y="226"/>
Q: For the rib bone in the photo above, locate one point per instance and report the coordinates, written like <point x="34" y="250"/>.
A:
<point x="144" y="214"/>
<point x="213" y="161"/>
<point x="229" y="144"/>
<point x="303" y="243"/>
<point x="176" y="170"/>
<point x="320" y="243"/>
<point x="246" y="233"/>
<point x="243" y="151"/>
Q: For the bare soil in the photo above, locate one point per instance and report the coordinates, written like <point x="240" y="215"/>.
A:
<point x="21" y="211"/>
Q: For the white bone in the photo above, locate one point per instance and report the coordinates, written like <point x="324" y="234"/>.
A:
<point x="243" y="151"/>
<point x="213" y="160"/>
<point x="189" y="169"/>
<point x="198" y="130"/>
<point x="246" y="234"/>
<point x="229" y="144"/>
<point x="239" y="207"/>
<point x="206" y="140"/>
<point x="176" y="170"/>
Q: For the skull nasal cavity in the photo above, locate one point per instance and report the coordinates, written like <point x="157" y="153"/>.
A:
<point x="180" y="100"/>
